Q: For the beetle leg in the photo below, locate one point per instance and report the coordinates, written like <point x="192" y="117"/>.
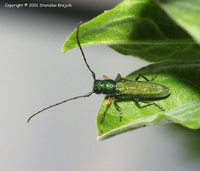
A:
<point x="117" y="106"/>
<point x="105" y="77"/>
<point x="138" y="100"/>
<point x="154" y="77"/>
<point x="108" y="103"/>
<point x="119" y="76"/>
<point x="140" y="75"/>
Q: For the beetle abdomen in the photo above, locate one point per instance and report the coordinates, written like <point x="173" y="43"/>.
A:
<point x="141" y="89"/>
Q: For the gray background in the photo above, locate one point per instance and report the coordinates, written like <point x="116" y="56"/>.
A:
<point x="34" y="74"/>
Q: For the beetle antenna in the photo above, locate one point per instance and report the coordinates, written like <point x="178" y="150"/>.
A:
<point x="64" y="101"/>
<point x="77" y="33"/>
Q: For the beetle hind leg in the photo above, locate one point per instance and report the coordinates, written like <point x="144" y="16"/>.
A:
<point x="138" y="100"/>
<point x="140" y="75"/>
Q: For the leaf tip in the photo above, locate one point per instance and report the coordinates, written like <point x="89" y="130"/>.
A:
<point x="64" y="50"/>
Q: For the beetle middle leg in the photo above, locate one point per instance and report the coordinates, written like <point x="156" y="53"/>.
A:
<point x="138" y="100"/>
<point x="140" y="75"/>
<point x="117" y="106"/>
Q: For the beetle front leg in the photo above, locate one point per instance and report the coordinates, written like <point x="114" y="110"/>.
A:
<point x="104" y="113"/>
<point x="138" y="100"/>
<point x="117" y="106"/>
<point x="140" y="75"/>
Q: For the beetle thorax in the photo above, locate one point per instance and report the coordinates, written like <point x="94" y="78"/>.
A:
<point x="104" y="87"/>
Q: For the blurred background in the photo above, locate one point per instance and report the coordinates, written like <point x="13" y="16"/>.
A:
<point x="34" y="74"/>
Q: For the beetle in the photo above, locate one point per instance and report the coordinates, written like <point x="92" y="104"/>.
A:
<point x="119" y="88"/>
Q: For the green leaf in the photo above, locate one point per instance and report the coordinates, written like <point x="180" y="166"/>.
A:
<point x="186" y="13"/>
<point x="182" y="106"/>
<point x="138" y="28"/>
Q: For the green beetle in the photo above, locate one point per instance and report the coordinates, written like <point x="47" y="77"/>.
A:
<point x="120" y="88"/>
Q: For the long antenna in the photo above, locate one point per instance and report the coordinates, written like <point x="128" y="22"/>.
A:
<point x="77" y="33"/>
<point x="64" y="101"/>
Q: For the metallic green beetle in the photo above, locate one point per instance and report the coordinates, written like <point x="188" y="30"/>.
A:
<point x="120" y="88"/>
